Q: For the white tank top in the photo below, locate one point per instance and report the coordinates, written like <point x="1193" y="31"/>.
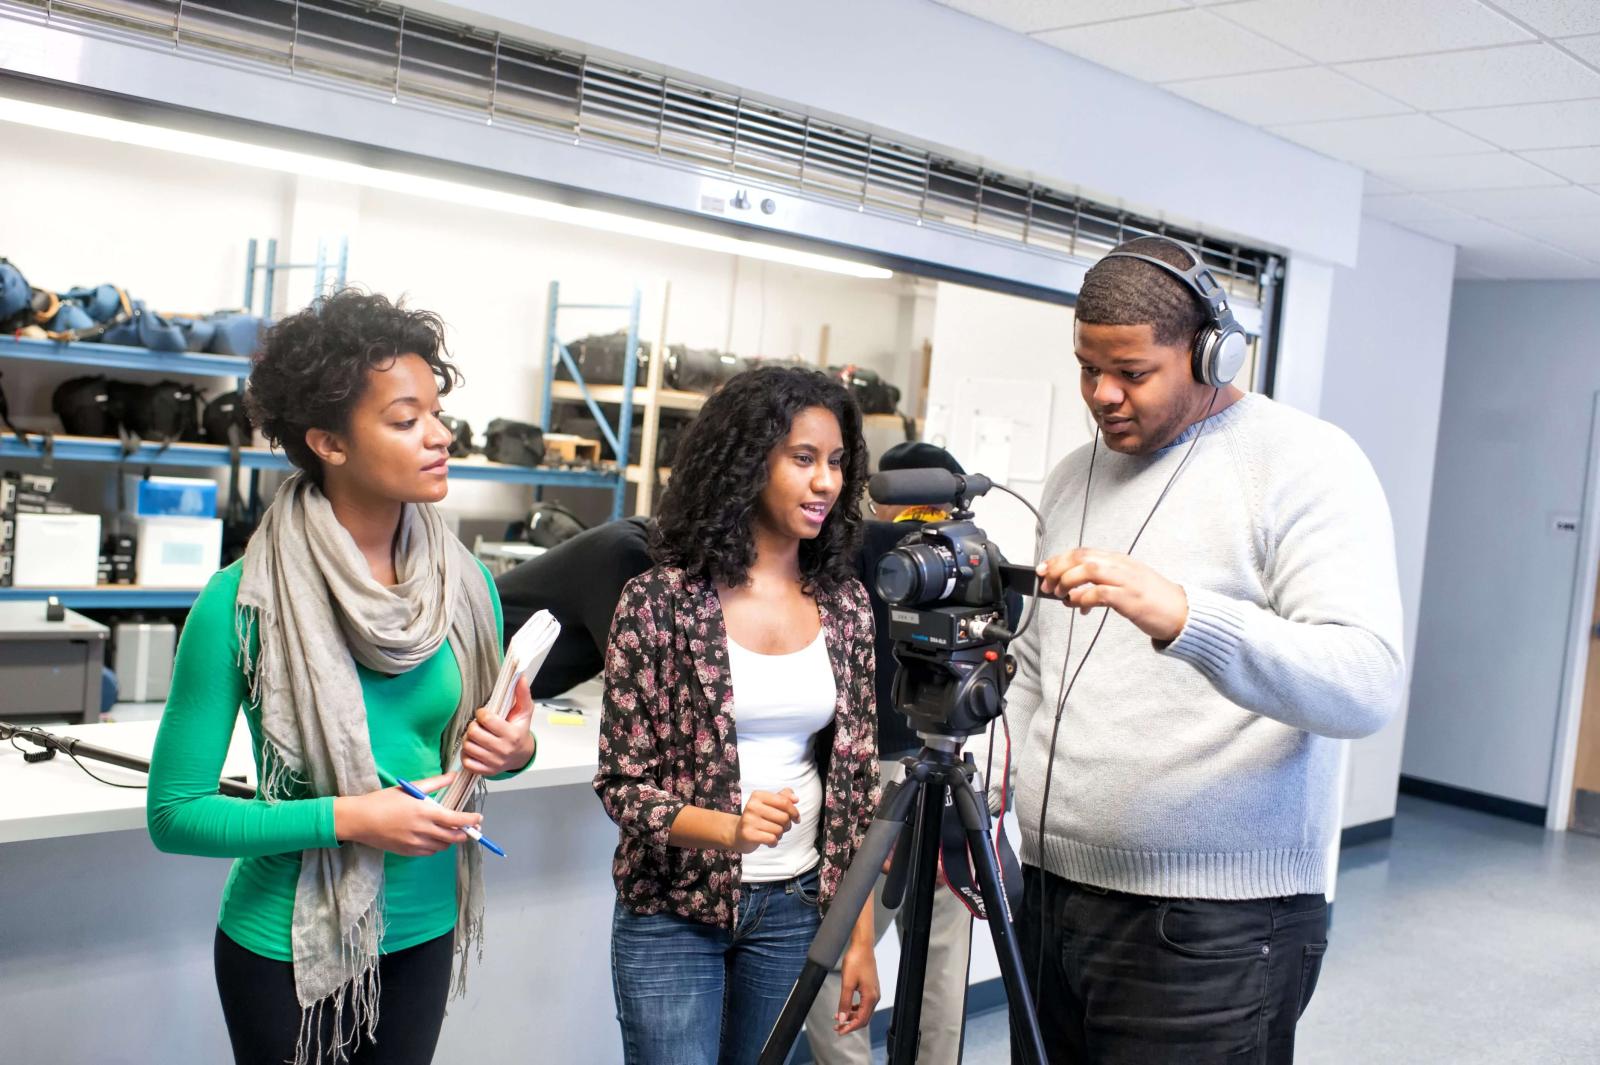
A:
<point x="780" y="703"/>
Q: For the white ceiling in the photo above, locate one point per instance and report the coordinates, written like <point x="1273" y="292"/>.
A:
<point x="1477" y="121"/>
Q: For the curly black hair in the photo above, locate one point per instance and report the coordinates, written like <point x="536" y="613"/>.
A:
<point x="1130" y="292"/>
<point x="705" y="523"/>
<point x="312" y="367"/>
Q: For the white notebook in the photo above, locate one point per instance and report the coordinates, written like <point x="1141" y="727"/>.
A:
<point x="525" y="654"/>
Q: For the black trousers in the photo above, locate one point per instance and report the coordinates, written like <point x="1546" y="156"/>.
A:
<point x="1124" y="979"/>
<point x="263" y="1014"/>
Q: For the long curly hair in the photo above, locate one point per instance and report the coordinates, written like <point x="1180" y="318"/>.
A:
<point x="705" y="525"/>
<point x="312" y="368"/>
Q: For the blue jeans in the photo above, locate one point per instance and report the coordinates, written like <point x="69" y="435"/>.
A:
<point x="695" y="994"/>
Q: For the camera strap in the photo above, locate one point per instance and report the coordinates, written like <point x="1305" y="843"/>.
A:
<point x="956" y="866"/>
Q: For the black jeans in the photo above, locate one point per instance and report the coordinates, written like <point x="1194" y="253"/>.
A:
<point x="263" y="1014"/>
<point x="1124" y="979"/>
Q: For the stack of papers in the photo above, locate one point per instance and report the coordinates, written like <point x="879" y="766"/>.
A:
<point x="527" y="652"/>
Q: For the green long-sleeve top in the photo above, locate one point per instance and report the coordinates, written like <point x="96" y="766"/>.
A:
<point x="406" y="717"/>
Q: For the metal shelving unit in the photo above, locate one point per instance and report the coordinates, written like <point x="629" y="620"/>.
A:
<point x="200" y="456"/>
<point x="646" y="400"/>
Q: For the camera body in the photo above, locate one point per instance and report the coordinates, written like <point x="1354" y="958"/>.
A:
<point x="945" y="585"/>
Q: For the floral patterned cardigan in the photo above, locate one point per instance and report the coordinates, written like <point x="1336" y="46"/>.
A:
<point x="667" y="740"/>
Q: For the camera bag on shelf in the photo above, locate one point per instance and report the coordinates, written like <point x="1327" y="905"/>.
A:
<point x="513" y="443"/>
<point x="601" y="357"/>
<point x="460" y="436"/>
<point x="700" y="370"/>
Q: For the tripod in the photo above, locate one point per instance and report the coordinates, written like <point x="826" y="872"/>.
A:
<point x="935" y="776"/>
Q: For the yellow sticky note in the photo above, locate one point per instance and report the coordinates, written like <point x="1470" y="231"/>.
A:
<point x="563" y="717"/>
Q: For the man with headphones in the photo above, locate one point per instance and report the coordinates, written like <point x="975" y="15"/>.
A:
<point x="1228" y="611"/>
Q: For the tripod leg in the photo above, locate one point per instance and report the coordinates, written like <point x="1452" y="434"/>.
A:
<point x="980" y="846"/>
<point x="905" y="1027"/>
<point x="899" y="799"/>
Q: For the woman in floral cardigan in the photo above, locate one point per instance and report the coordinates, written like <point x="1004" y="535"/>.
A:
<point x="752" y="622"/>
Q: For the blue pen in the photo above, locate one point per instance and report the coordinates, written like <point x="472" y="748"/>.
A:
<point x="416" y="793"/>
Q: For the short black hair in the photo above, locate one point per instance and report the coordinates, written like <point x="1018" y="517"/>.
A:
<point x="919" y="455"/>
<point x="312" y="367"/>
<point x="707" y="512"/>
<point x="1130" y="292"/>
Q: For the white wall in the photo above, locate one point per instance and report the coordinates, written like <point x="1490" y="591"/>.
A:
<point x="1519" y="388"/>
<point x="1382" y="382"/>
<point x="980" y="338"/>
<point x="912" y="68"/>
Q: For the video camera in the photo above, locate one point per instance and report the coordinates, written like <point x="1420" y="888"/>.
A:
<point x="946" y="586"/>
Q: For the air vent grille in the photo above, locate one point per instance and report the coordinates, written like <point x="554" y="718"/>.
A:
<point x="457" y="68"/>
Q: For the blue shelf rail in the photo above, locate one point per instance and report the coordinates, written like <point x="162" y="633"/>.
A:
<point x="117" y="357"/>
<point x="619" y="434"/>
<point x="108" y="597"/>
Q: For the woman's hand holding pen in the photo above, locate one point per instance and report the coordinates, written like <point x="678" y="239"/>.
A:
<point x="390" y="820"/>
<point x="497" y="744"/>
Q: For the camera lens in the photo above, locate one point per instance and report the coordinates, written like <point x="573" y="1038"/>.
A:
<point x="916" y="573"/>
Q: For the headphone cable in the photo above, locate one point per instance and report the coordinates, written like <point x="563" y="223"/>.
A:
<point x="1064" y="688"/>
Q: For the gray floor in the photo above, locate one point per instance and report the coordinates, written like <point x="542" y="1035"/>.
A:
<point x="1465" y="939"/>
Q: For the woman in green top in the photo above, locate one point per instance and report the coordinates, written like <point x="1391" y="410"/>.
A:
<point x="361" y="639"/>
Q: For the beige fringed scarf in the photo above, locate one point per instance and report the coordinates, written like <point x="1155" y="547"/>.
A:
<point x="308" y="593"/>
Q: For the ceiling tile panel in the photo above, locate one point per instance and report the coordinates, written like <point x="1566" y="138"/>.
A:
<point x="1574" y="164"/>
<point x="1504" y="205"/>
<point x="1574" y="124"/>
<point x="1370" y="140"/>
<point x="1555" y="18"/>
<point x="1580" y="236"/>
<point x="1173" y="47"/>
<point x="1026" y="16"/>
<point x="1487" y="170"/>
<point x="1481" y="77"/>
<point x="1526" y="260"/>
<point x="1337" y="32"/>
<point x="1585" y="48"/>
<point x="1409" y="207"/>
<point x="1307" y="94"/>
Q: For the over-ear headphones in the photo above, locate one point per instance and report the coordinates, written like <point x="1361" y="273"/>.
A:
<point x="1220" y="347"/>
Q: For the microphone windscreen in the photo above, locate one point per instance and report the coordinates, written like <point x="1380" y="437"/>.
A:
<point x="911" y="487"/>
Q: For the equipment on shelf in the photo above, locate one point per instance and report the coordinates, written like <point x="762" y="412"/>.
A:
<point x="460" y="436"/>
<point x="872" y="393"/>
<point x="600" y="358"/>
<point x="225" y="422"/>
<point x="5" y="417"/>
<point x="574" y="418"/>
<point x="143" y="328"/>
<point x="16" y="298"/>
<point x="513" y="443"/>
<point x="165" y="412"/>
<point x="701" y="370"/>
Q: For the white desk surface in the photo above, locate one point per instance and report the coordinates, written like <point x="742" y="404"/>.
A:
<point x="47" y="800"/>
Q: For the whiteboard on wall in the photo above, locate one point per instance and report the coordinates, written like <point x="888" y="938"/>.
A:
<point x="1009" y="427"/>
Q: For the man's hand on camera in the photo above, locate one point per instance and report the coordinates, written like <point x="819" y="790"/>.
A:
<point x="1086" y="578"/>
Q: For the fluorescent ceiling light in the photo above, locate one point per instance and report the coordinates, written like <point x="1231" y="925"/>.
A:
<point x="202" y="146"/>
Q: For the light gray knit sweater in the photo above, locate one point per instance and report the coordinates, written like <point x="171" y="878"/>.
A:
<point x="1209" y="768"/>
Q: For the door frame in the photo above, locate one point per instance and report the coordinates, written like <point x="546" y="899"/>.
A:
<point x="1569" y="717"/>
